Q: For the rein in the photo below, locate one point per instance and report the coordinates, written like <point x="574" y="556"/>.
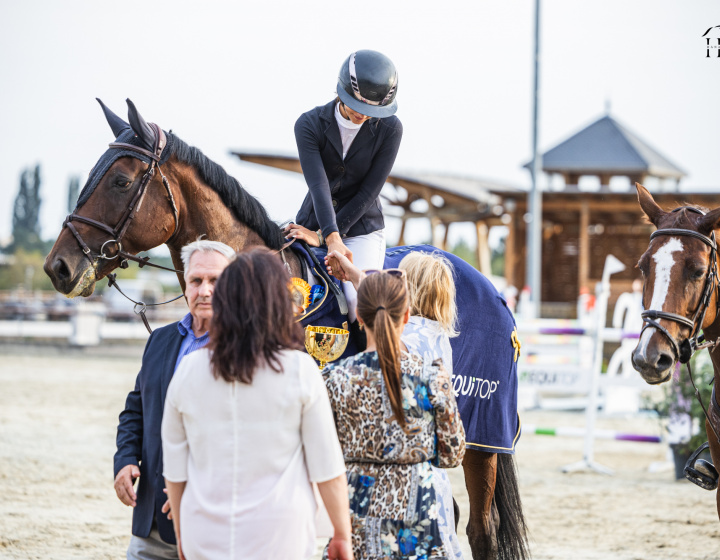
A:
<point x="117" y="233"/>
<point x="696" y="341"/>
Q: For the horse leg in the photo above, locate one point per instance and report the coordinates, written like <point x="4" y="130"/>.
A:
<point x="715" y="456"/>
<point x="480" y="469"/>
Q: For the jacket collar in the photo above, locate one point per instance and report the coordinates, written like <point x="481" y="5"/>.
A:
<point x="332" y="132"/>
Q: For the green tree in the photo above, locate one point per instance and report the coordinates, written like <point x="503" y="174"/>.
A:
<point x="25" y="270"/>
<point x="73" y="192"/>
<point x="26" y="213"/>
<point x="463" y="250"/>
<point x="497" y="259"/>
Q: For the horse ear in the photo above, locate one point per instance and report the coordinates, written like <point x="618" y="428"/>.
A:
<point x="648" y="204"/>
<point x="709" y="222"/>
<point x="116" y="123"/>
<point x="139" y="126"/>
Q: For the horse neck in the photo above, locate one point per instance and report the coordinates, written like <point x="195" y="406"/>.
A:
<point x="201" y="211"/>
<point x="713" y="333"/>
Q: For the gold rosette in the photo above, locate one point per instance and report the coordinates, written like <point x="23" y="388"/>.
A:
<point x="300" y="294"/>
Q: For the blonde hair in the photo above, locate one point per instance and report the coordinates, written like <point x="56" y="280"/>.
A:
<point x="432" y="289"/>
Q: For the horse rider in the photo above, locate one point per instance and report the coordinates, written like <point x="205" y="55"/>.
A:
<point x="347" y="149"/>
<point x="139" y="448"/>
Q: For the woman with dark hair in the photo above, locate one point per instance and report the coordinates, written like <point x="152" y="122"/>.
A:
<point x="247" y="426"/>
<point x="396" y="416"/>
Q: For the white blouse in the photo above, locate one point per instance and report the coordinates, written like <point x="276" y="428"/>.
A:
<point x="248" y="454"/>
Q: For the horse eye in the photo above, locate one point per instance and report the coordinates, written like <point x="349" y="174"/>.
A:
<point x="698" y="274"/>
<point x="123" y="182"/>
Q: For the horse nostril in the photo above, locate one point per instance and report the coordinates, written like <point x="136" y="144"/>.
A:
<point x="61" y="270"/>
<point x="664" y="361"/>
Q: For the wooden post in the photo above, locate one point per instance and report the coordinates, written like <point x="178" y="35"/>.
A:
<point x="445" y="237"/>
<point x="483" y="250"/>
<point x="401" y="237"/>
<point x="510" y="252"/>
<point x="584" y="248"/>
<point x="434" y="223"/>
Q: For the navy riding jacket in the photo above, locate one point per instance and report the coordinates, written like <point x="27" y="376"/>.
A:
<point x="138" y="434"/>
<point x="344" y="195"/>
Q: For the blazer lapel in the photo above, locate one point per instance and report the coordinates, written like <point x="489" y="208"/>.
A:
<point x="332" y="132"/>
<point x="364" y="135"/>
<point x="171" y="353"/>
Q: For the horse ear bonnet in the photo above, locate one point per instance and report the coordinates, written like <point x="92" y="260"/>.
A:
<point x="116" y="123"/>
<point x="123" y="133"/>
<point x="141" y="128"/>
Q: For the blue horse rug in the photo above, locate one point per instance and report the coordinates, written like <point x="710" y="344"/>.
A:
<point x="484" y="362"/>
<point x="485" y="377"/>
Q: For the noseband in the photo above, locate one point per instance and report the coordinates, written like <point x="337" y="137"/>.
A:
<point x="131" y="211"/>
<point x="685" y="350"/>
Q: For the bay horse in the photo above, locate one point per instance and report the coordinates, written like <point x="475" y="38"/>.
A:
<point x="680" y="299"/>
<point x="150" y="188"/>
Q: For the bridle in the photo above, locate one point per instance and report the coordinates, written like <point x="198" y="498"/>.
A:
<point x="685" y="350"/>
<point x="118" y="232"/>
<point x="696" y="341"/>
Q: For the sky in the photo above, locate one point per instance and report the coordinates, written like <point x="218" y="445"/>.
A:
<point x="236" y="75"/>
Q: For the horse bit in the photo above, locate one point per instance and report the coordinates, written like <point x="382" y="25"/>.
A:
<point x="696" y="341"/>
<point x="123" y="224"/>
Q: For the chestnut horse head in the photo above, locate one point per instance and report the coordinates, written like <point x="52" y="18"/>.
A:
<point x="680" y="292"/>
<point x="147" y="189"/>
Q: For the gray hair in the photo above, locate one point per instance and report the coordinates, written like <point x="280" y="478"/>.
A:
<point x="205" y="246"/>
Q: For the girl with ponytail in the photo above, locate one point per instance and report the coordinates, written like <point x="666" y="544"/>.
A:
<point x="396" y="416"/>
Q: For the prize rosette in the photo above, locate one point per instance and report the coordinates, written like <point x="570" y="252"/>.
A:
<point x="300" y="294"/>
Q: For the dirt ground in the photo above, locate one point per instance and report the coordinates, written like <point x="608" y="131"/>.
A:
<point x="58" y="415"/>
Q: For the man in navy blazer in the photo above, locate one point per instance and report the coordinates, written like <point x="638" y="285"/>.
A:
<point x="139" y="447"/>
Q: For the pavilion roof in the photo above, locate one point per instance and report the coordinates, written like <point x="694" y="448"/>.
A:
<point x="608" y="147"/>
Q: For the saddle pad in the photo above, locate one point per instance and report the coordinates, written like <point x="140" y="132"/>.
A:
<point x="484" y="367"/>
<point x="326" y="313"/>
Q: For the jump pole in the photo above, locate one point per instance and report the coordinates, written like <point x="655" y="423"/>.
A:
<point x="581" y="432"/>
<point x="612" y="265"/>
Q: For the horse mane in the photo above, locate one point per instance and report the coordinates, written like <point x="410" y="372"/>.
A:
<point x="244" y="206"/>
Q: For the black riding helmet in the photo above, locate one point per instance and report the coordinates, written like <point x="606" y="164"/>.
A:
<point x="367" y="83"/>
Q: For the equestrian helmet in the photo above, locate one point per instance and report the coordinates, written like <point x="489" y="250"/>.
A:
<point x="367" y="83"/>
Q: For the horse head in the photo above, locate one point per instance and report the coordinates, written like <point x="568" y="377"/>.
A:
<point x="680" y="279"/>
<point x="125" y="183"/>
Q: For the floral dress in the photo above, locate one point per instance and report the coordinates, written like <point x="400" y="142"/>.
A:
<point x="393" y="504"/>
<point x="427" y="338"/>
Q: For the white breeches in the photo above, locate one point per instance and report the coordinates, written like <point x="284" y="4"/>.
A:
<point x="368" y="252"/>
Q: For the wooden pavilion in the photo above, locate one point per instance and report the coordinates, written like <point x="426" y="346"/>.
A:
<point x="581" y="226"/>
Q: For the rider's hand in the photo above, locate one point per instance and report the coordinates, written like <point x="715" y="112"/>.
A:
<point x="124" y="484"/>
<point x="295" y="231"/>
<point x="342" y="269"/>
<point x="335" y="243"/>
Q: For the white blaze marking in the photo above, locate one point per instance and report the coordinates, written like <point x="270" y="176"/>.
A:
<point x="664" y="262"/>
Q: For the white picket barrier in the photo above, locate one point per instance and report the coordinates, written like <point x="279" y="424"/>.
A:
<point x="561" y="367"/>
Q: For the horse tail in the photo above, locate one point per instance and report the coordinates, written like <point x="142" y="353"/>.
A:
<point x="512" y="539"/>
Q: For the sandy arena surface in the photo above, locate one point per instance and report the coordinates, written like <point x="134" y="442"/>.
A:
<point x="58" y="416"/>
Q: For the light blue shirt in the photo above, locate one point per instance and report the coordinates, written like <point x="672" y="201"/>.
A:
<point x="190" y="342"/>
